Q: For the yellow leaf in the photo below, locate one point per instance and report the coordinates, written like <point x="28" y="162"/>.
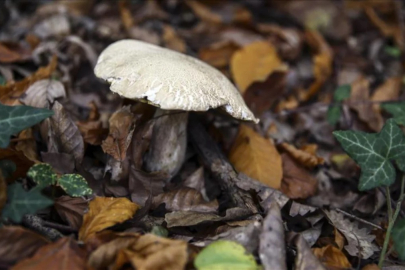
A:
<point x="256" y="157"/>
<point x="332" y="257"/>
<point x="254" y="63"/>
<point x="104" y="213"/>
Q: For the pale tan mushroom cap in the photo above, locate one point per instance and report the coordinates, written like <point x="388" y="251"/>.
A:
<point x="168" y="79"/>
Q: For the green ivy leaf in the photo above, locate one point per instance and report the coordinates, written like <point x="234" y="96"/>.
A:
<point x="397" y="110"/>
<point x="2" y="80"/>
<point x="160" y="231"/>
<point x="398" y="236"/>
<point x="374" y="153"/>
<point x="392" y="51"/>
<point x="7" y="167"/>
<point x="75" y="185"/>
<point x="333" y="114"/>
<point x="42" y="174"/>
<point x="224" y="255"/>
<point x="342" y="92"/>
<point x="21" y="202"/>
<point x="13" y="119"/>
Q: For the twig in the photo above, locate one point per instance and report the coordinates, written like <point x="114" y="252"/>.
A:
<point x="359" y="219"/>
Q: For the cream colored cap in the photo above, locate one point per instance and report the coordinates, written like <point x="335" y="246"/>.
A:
<point x="168" y="79"/>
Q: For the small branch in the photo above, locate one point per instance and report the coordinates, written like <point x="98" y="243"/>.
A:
<point x="359" y="219"/>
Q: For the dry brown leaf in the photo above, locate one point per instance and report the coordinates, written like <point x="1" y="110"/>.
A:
<point x="92" y="131"/>
<point x="126" y="17"/>
<point x="20" y="160"/>
<point x="65" y="133"/>
<point x="331" y="256"/>
<point x="105" y="255"/>
<point x="43" y="93"/>
<point x="339" y="239"/>
<point x="172" y="40"/>
<point x="297" y="183"/>
<point x="359" y="101"/>
<point x="306" y="158"/>
<point x="3" y="191"/>
<point x="12" y="91"/>
<point x="105" y="212"/>
<point x="71" y="210"/>
<point x="18" y="243"/>
<point x="255" y="62"/>
<point x="218" y="54"/>
<point x="256" y="157"/>
<point x="203" y="12"/>
<point x="26" y="144"/>
<point x="371" y="267"/>
<point x="154" y="252"/>
<point x="122" y="125"/>
<point x="13" y="52"/>
<point x="150" y="10"/>
<point x="184" y="199"/>
<point x="65" y="254"/>
<point x="305" y="259"/>
<point x="388" y="91"/>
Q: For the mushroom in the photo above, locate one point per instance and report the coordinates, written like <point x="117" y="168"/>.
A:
<point x="170" y="81"/>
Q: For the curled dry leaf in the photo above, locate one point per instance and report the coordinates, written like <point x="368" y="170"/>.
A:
<point x="122" y="125"/>
<point x="218" y="54"/>
<point x="185" y="199"/>
<point x="27" y="145"/>
<point x="256" y="157"/>
<point x="105" y="212"/>
<point x="297" y="182"/>
<point x="331" y="256"/>
<point x="65" y="133"/>
<point x="255" y="62"/>
<point x="11" y="92"/>
<point x="172" y="40"/>
<point x="305" y="259"/>
<point x="305" y="157"/>
<point x="71" y="210"/>
<point x="105" y="255"/>
<point x="154" y="252"/>
<point x="18" y="243"/>
<point x="43" y="93"/>
<point x="272" y="247"/>
<point x="63" y="254"/>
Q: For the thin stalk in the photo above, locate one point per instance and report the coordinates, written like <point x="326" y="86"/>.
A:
<point x="391" y="219"/>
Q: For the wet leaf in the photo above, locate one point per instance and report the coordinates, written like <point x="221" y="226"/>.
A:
<point x="75" y="185"/>
<point x="43" y="93"/>
<point x="105" y="212"/>
<point x="18" y="243"/>
<point x="398" y="235"/>
<point x="122" y="124"/>
<point x="65" y="133"/>
<point x="224" y="255"/>
<point x="331" y="256"/>
<point x="256" y="157"/>
<point x="21" y="202"/>
<point x="374" y="153"/>
<point x="64" y="254"/>
<point x="254" y="63"/>
<point x="42" y="174"/>
<point x="71" y="210"/>
<point x="13" y="119"/>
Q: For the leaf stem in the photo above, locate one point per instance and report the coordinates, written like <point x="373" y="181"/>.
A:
<point x="391" y="218"/>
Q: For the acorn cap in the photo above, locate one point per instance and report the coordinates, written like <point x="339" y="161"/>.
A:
<point x="168" y="79"/>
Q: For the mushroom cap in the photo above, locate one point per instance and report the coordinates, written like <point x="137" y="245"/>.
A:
<point x="168" y="79"/>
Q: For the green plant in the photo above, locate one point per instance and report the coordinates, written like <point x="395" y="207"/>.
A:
<point x="335" y="109"/>
<point x="375" y="153"/>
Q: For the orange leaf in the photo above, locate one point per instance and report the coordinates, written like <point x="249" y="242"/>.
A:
<point x="218" y="54"/>
<point x="172" y="39"/>
<point x="256" y="157"/>
<point x="203" y="12"/>
<point x="371" y="267"/>
<point x="332" y="257"/>
<point x="105" y="212"/>
<point x="303" y="157"/>
<point x="255" y="62"/>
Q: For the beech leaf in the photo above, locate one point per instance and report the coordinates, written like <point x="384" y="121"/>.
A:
<point x="374" y="153"/>
<point x="14" y="119"/>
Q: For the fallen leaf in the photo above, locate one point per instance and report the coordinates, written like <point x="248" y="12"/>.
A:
<point x="331" y="256"/>
<point x="18" y="243"/>
<point x="122" y="125"/>
<point x="42" y="93"/>
<point x="3" y="191"/>
<point x="172" y="40"/>
<point x="105" y="212"/>
<point x="63" y="254"/>
<point x="12" y="91"/>
<point x="154" y="252"/>
<point x="184" y="199"/>
<point x="272" y="243"/>
<point x="255" y="62"/>
<point x="26" y="144"/>
<point x="11" y="52"/>
<point x="297" y="182"/>
<point x="71" y="210"/>
<point x="62" y="163"/>
<point x="360" y="102"/>
<point x="224" y="255"/>
<point x="21" y="161"/>
<point x="126" y="16"/>
<point x="388" y="91"/>
<point x="65" y="133"/>
<point x="203" y="12"/>
<point x="74" y="185"/>
<point x="339" y="239"/>
<point x="256" y="157"/>
<point x="218" y="54"/>
<point x="304" y="158"/>
<point x="372" y="267"/>
<point x="305" y="259"/>
<point x="150" y="10"/>
<point x="360" y="241"/>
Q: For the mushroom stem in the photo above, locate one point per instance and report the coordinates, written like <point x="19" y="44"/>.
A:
<point x="168" y="144"/>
